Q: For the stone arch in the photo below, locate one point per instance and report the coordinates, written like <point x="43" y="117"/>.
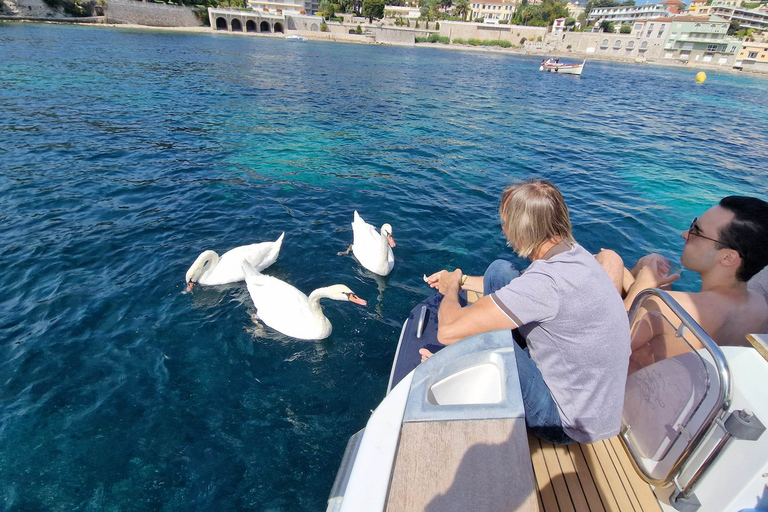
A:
<point x="236" y="25"/>
<point x="278" y="27"/>
<point x="617" y="45"/>
<point x="314" y="27"/>
<point x="643" y="46"/>
<point x="264" y="27"/>
<point x="250" y="26"/>
<point x="221" y="24"/>
<point x="604" y="44"/>
<point x="630" y="45"/>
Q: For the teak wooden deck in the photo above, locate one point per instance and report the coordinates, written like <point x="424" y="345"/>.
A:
<point x="596" y="477"/>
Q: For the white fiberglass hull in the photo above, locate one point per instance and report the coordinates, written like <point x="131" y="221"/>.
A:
<point x="563" y="69"/>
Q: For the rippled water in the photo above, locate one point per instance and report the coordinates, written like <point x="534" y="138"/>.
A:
<point x="125" y="154"/>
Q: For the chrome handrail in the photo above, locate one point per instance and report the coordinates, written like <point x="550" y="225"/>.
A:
<point x="723" y="400"/>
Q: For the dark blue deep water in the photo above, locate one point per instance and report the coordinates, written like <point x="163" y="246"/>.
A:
<point x="125" y="154"/>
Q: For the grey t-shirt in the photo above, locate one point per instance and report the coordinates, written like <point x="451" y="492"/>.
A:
<point x="759" y="284"/>
<point x="577" y="331"/>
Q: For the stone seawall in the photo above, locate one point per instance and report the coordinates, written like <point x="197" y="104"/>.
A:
<point x="151" y="15"/>
<point x="511" y="33"/>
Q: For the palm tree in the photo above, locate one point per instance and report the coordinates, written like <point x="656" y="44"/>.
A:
<point x="461" y="9"/>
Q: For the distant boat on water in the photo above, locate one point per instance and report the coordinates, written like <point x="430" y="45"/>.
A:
<point x="562" y="69"/>
<point x="296" y="37"/>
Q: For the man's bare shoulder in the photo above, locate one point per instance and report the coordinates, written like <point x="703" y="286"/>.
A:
<point x="726" y="318"/>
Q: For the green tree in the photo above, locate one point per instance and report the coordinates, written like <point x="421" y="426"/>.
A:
<point x="625" y="29"/>
<point x="734" y="27"/>
<point x="329" y="9"/>
<point x="373" y="9"/>
<point x="607" y="26"/>
<point x="461" y="9"/>
<point x="358" y="30"/>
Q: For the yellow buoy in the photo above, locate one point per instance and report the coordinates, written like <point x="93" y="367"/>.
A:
<point x="701" y="76"/>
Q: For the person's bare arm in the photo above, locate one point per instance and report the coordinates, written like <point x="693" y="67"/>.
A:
<point x="482" y="316"/>
<point x="455" y="323"/>
<point x="473" y="284"/>
<point x="647" y="277"/>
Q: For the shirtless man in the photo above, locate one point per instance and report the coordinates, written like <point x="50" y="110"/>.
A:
<point x="726" y="245"/>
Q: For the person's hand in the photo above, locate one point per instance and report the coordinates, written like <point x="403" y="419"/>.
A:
<point x="649" y="277"/>
<point x="656" y="262"/>
<point x="444" y="280"/>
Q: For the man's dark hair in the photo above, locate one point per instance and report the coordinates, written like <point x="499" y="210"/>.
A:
<point x="747" y="233"/>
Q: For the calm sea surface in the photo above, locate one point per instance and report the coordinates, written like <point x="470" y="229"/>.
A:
<point x="125" y="154"/>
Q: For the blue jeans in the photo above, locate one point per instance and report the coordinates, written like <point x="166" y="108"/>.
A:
<point x="541" y="415"/>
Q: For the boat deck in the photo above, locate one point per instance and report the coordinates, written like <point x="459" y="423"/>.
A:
<point x="596" y="477"/>
<point x="479" y="465"/>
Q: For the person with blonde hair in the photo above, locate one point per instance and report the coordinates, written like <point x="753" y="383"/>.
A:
<point x="566" y="312"/>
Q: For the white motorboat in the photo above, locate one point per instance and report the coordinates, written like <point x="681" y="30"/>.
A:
<point x="562" y="69"/>
<point x="297" y="38"/>
<point x="450" y="434"/>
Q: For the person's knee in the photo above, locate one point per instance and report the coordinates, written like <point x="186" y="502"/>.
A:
<point x="500" y="269"/>
<point x="610" y="260"/>
<point x="498" y="274"/>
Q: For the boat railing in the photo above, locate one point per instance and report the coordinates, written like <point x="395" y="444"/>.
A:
<point x="677" y="396"/>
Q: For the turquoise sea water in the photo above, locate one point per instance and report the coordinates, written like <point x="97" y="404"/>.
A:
<point x="125" y="154"/>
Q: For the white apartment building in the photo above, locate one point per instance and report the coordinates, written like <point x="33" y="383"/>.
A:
<point x="629" y="14"/>
<point x="747" y="18"/>
<point x="286" y="6"/>
<point x="492" y="10"/>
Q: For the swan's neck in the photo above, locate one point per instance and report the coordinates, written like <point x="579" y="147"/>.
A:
<point x="384" y="252"/>
<point x="209" y="257"/>
<point x="314" y="301"/>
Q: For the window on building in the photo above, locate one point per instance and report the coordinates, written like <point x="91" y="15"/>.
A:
<point x="630" y="45"/>
<point x="604" y="44"/>
<point x="617" y="45"/>
<point x="643" y="46"/>
<point x="752" y="55"/>
<point x="711" y="47"/>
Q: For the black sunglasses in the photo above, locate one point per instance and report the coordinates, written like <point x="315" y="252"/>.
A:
<point x="695" y="230"/>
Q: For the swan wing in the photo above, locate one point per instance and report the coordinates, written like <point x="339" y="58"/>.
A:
<point x="283" y="307"/>
<point x="229" y="268"/>
<point x="367" y="247"/>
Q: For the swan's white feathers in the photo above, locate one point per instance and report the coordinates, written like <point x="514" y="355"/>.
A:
<point x="229" y="266"/>
<point x="371" y="248"/>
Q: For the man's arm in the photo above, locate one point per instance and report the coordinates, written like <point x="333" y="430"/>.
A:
<point x="647" y="277"/>
<point x="456" y="323"/>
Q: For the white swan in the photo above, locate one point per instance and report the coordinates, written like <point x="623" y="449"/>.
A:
<point x="286" y="309"/>
<point x="208" y="269"/>
<point x="373" y="249"/>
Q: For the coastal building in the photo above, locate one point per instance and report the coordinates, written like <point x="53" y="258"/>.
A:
<point x="704" y="38"/>
<point x="752" y="57"/>
<point x="629" y="14"/>
<point x="696" y="5"/>
<point x="575" y="9"/>
<point x="747" y="18"/>
<point x="398" y="11"/>
<point x="684" y="38"/>
<point x="492" y="10"/>
<point x="285" y="6"/>
<point x="231" y="20"/>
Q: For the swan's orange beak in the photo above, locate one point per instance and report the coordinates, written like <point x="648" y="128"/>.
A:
<point x="190" y="285"/>
<point x="357" y="300"/>
<point x="391" y="240"/>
